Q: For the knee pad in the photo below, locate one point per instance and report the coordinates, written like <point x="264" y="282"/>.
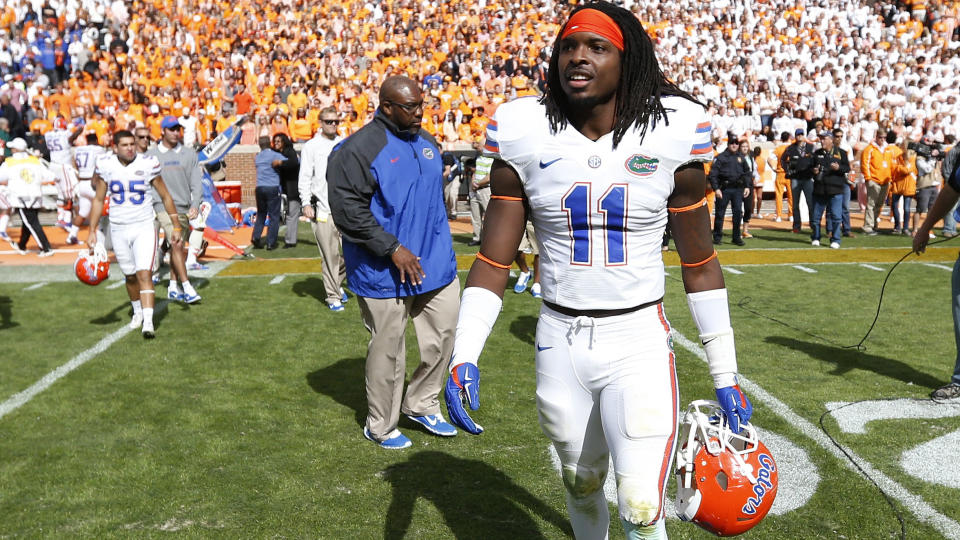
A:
<point x="639" y="505"/>
<point x="583" y="481"/>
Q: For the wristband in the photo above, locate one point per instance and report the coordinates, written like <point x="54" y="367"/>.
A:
<point x="712" y="317"/>
<point x="479" y="308"/>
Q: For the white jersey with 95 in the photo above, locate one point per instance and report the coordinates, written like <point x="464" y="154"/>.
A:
<point x="128" y="187"/>
<point x="599" y="211"/>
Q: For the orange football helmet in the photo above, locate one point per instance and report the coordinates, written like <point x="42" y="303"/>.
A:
<point x="726" y="482"/>
<point x="93" y="268"/>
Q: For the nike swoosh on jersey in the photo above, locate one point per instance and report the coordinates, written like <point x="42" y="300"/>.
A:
<point x="544" y="165"/>
<point x="394" y="160"/>
<point x="541" y="349"/>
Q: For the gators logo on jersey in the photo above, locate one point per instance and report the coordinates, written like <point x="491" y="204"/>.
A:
<point x="641" y="165"/>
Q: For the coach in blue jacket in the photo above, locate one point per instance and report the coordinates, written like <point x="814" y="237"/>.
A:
<point x="386" y="197"/>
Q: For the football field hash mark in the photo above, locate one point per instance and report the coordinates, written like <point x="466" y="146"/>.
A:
<point x="914" y="503"/>
<point x="17" y="400"/>
<point x="872" y="267"/>
<point x="805" y="269"/>
<point x="35" y="286"/>
<point x="277" y="279"/>
<point x="733" y="270"/>
<point x="116" y="285"/>
<point x="940" y="266"/>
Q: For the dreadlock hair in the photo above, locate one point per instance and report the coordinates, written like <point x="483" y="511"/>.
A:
<point x="642" y="83"/>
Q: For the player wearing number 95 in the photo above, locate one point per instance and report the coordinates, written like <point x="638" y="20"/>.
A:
<point x="601" y="163"/>
<point x="125" y="176"/>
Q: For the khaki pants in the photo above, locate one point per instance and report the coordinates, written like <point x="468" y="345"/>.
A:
<point x="435" y="321"/>
<point x="876" y="195"/>
<point x="479" y="200"/>
<point x="334" y="270"/>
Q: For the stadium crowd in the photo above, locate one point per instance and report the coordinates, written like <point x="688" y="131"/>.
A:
<point x="763" y="67"/>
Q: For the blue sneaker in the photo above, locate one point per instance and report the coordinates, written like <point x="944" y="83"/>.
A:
<point x="343" y="296"/>
<point x="521" y="284"/>
<point x="395" y="441"/>
<point x="190" y="298"/>
<point x="197" y="266"/>
<point x="336" y="308"/>
<point x="434" y="423"/>
<point x="174" y="295"/>
<point x="535" y="291"/>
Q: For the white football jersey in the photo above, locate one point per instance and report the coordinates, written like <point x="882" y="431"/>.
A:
<point x="599" y="212"/>
<point x="128" y="187"/>
<point x="85" y="158"/>
<point x="58" y="142"/>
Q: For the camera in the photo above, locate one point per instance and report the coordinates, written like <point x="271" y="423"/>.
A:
<point x="926" y="151"/>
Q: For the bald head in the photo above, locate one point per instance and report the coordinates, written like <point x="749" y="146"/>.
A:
<point x="401" y="101"/>
<point x="396" y="87"/>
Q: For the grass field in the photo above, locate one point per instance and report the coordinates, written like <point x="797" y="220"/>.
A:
<point x="243" y="418"/>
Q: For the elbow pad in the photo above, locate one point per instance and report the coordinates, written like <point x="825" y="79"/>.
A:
<point x="712" y="317"/>
<point x="479" y="309"/>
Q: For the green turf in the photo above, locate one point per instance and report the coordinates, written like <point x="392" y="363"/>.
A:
<point x="243" y="418"/>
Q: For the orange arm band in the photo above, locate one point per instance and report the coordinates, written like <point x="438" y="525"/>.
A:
<point x="495" y="264"/>
<point x="693" y="206"/>
<point x="701" y="263"/>
<point x="507" y="198"/>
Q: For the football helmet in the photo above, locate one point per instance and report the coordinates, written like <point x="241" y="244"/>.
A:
<point x="60" y="123"/>
<point x="93" y="268"/>
<point x="726" y="482"/>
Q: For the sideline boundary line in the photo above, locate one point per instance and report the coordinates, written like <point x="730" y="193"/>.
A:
<point x="19" y="399"/>
<point x="914" y="503"/>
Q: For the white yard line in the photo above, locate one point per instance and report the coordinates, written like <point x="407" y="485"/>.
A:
<point x="805" y="269"/>
<point x="923" y="511"/>
<point x="732" y="270"/>
<point x="941" y="266"/>
<point x="871" y="267"/>
<point x="277" y="279"/>
<point x="17" y="400"/>
<point x="35" y="286"/>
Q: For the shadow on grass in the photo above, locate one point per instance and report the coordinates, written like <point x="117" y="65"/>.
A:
<point x="847" y="360"/>
<point x="311" y="286"/>
<point x="524" y="328"/>
<point x="6" y="313"/>
<point x="344" y="382"/>
<point x="475" y="499"/>
<point x="113" y="316"/>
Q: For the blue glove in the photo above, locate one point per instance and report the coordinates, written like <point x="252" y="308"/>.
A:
<point x="736" y="407"/>
<point x="464" y="382"/>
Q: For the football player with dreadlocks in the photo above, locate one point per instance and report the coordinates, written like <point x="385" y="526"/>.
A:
<point x="600" y="164"/>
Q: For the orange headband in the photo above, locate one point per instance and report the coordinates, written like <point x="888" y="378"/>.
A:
<point x="598" y="22"/>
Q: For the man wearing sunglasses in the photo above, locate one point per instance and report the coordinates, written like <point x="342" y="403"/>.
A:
<point x="386" y="197"/>
<point x="312" y="185"/>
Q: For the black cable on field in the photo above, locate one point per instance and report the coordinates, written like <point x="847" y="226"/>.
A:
<point x="743" y="302"/>
<point x="859" y="346"/>
<point x="890" y="501"/>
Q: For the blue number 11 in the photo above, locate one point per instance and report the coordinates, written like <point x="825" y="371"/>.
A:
<point x="612" y="205"/>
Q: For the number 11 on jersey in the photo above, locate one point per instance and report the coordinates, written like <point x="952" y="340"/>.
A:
<point x="612" y="207"/>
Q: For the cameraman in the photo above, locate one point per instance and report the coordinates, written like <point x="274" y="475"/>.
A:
<point x="798" y="163"/>
<point x="831" y="168"/>
<point x="928" y="177"/>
